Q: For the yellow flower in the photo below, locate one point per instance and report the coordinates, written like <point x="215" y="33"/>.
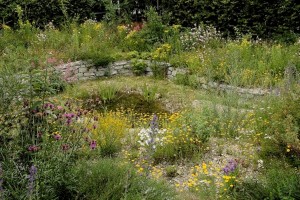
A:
<point x="288" y="150"/>
<point x="97" y="26"/>
<point x="121" y="28"/>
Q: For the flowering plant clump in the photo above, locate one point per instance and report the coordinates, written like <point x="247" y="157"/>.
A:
<point x="106" y="131"/>
<point x="198" y="36"/>
<point x="148" y="138"/>
<point x="230" y="167"/>
<point x="152" y="136"/>
<point x="162" y="52"/>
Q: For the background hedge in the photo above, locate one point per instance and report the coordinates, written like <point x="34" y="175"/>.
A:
<point x="263" y="18"/>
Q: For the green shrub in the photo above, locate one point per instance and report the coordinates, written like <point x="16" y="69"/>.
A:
<point x="153" y="32"/>
<point x="138" y="66"/>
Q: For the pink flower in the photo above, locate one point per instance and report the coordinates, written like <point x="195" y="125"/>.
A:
<point x="33" y="148"/>
<point x="93" y="144"/>
<point x="57" y="136"/>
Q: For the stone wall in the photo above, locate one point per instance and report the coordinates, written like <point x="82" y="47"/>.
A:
<point x="85" y="70"/>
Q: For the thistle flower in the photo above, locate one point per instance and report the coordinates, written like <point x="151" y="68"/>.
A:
<point x="33" y="148"/>
<point x="57" y="136"/>
<point x="93" y="144"/>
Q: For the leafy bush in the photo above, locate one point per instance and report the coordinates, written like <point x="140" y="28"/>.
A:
<point x="138" y="66"/>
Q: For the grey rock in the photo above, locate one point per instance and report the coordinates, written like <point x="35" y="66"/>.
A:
<point x="121" y="63"/>
<point x="82" y="69"/>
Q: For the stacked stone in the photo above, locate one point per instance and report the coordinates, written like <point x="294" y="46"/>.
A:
<point x="85" y="70"/>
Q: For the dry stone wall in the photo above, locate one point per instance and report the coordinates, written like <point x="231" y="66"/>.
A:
<point x="85" y="70"/>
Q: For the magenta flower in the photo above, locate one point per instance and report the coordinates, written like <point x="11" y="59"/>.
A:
<point x="49" y="105"/>
<point x="57" y="136"/>
<point x="93" y="144"/>
<point x="33" y="148"/>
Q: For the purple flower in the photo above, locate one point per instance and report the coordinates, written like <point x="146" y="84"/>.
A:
<point x="31" y="177"/>
<point x="154" y="122"/>
<point x="49" y="105"/>
<point x="93" y="144"/>
<point x="69" y="121"/>
<point x="230" y="167"/>
<point x="33" y="148"/>
<point x="57" y="136"/>
<point x="68" y="115"/>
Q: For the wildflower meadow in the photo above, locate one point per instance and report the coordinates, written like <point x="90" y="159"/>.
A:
<point x="203" y="111"/>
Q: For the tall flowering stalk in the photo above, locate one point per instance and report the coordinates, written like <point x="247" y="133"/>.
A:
<point x="151" y="137"/>
<point x="32" y="178"/>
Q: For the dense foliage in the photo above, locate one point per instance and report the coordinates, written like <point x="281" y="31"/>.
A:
<point x="259" y="18"/>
